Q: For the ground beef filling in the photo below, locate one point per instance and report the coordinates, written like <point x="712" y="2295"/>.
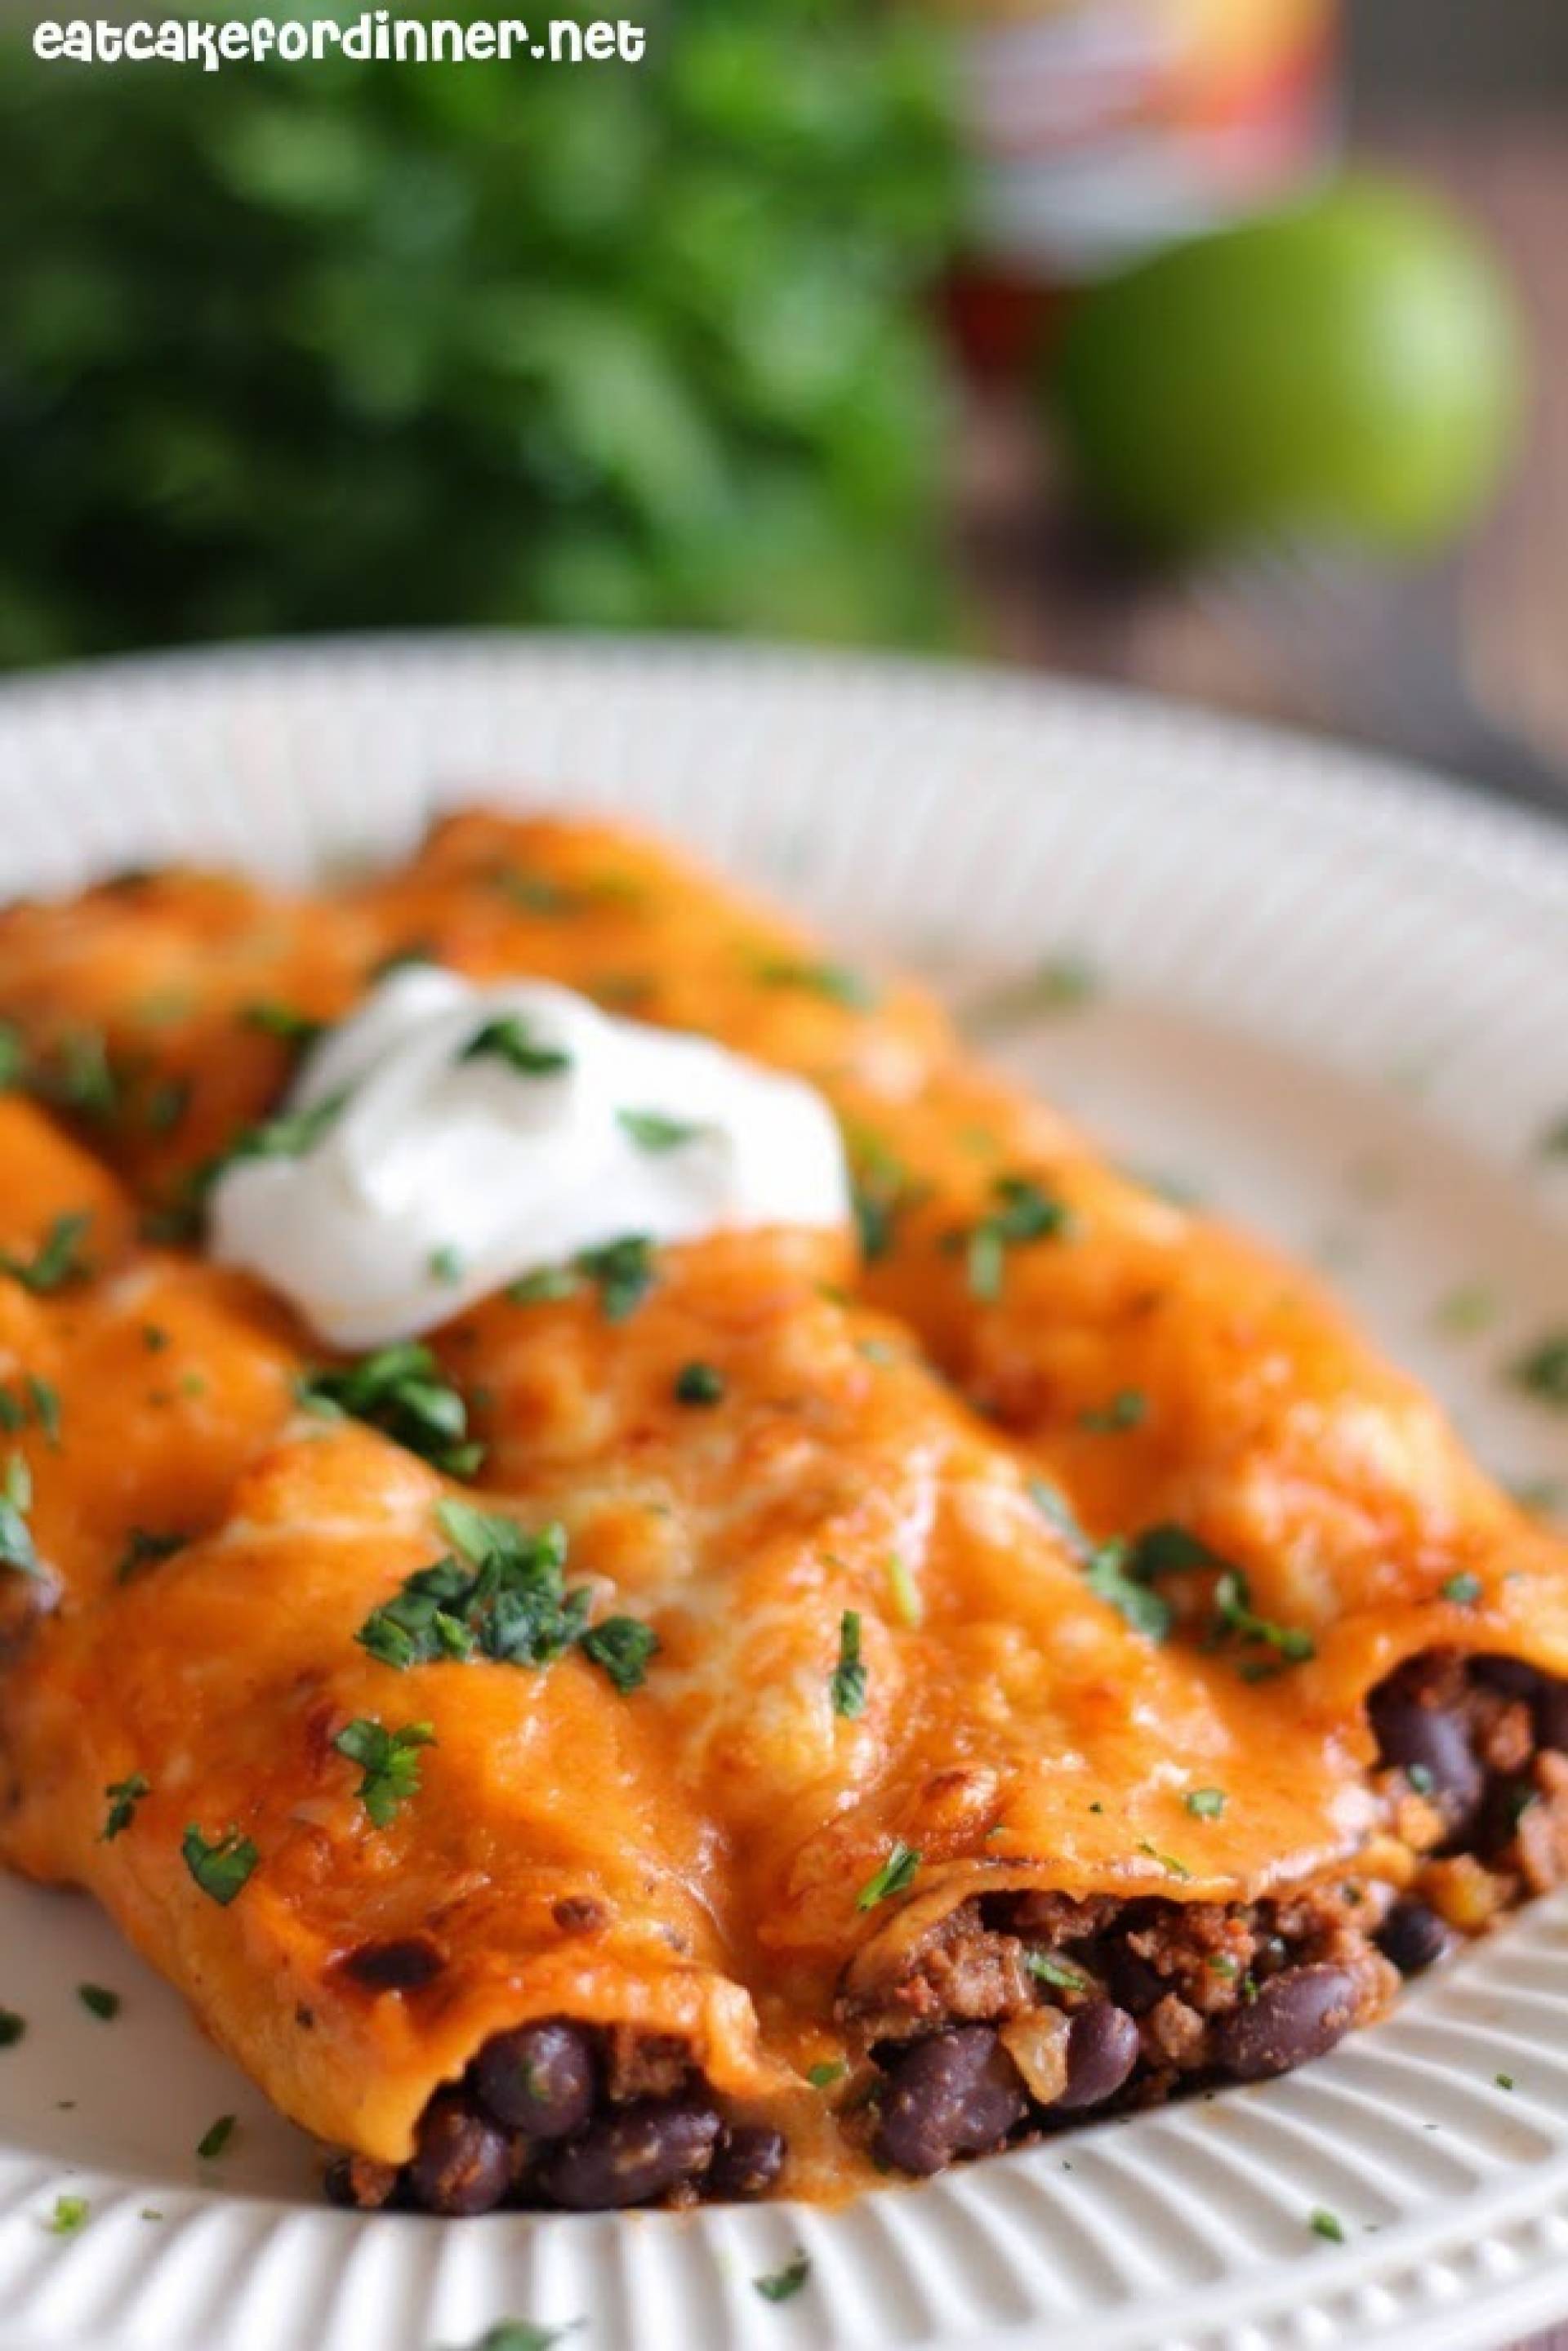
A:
<point x="1022" y="2013"/>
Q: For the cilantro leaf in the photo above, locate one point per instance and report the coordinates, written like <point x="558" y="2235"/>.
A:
<point x="220" y="1868"/>
<point x="620" y="1647"/>
<point x="124" y="1795"/>
<point x="837" y="982"/>
<point x="650" y="1130"/>
<point x="848" y="1682"/>
<point x="625" y="1271"/>
<point x="403" y="1391"/>
<point x="17" y="1546"/>
<point x="388" y="1760"/>
<point x="510" y="1039"/>
<point x="699" y="1383"/>
<point x="1024" y="1213"/>
<point x="781" y="2284"/>
<point x="59" y="1258"/>
<point x="895" y="1875"/>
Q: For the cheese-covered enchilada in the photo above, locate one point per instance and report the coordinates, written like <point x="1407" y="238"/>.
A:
<point x="653" y="1736"/>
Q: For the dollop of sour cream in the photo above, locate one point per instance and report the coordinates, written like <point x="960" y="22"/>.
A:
<point x="466" y="1136"/>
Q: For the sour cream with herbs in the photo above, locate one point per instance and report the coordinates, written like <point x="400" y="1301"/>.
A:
<point x="450" y="1139"/>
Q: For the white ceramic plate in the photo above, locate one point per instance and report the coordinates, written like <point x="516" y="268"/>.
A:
<point x="1334" y="998"/>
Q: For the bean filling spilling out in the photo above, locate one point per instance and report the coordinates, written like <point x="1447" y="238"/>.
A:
<point x="1023" y="2012"/>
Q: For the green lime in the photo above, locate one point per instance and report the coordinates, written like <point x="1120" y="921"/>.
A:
<point x="1355" y="367"/>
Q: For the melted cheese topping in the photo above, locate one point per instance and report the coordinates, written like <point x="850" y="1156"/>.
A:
<point x="715" y="1825"/>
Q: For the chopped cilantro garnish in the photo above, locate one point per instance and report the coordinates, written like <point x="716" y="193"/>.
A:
<point x="1054" y="1506"/>
<point x="1420" y="1778"/>
<point x="650" y="1130"/>
<point x="620" y="1647"/>
<point x="220" y="1868"/>
<point x="69" y="2216"/>
<point x="1543" y="1371"/>
<point x="625" y="1271"/>
<point x="99" y="2001"/>
<point x="165" y="1104"/>
<point x="1063" y="984"/>
<point x="58" y="1259"/>
<point x="388" y="1760"/>
<point x="1503" y="2081"/>
<point x="1047" y="1968"/>
<point x="1024" y="1212"/>
<point x="1167" y="1861"/>
<point x="282" y="1022"/>
<point x="1235" y="1618"/>
<point x="543" y="1288"/>
<point x="216" y="2137"/>
<point x="847" y="1682"/>
<point x="838" y="982"/>
<point x="83" y="1079"/>
<point x="535" y="893"/>
<point x="1111" y="1571"/>
<point x="124" y="1795"/>
<point x="403" y="1391"/>
<point x="290" y="1135"/>
<point x="1462" y="1590"/>
<point x="699" y="1383"/>
<point x="779" y="2284"/>
<point x="823" y="2076"/>
<point x="446" y="1264"/>
<point x="155" y="1338"/>
<point x="17" y="1546"/>
<point x="11" y="2028"/>
<point x="523" y="2335"/>
<point x="1128" y="1408"/>
<point x="1553" y="1141"/>
<point x="44" y="1398"/>
<point x="895" y="1875"/>
<point x="13" y="1057"/>
<point x="510" y="1039"/>
<point x="1205" y="1803"/>
<point x="881" y="1190"/>
<point x="504" y="1596"/>
<point x="1326" y="2224"/>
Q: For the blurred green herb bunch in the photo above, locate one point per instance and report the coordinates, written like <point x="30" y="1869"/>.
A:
<point x="291" y="347"/>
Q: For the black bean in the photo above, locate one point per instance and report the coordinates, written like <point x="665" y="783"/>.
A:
<point x="462" y="2164"/>
<point x="956" y="2093"/>
<point x="1413" y="1937"/>
<point x="1431" y="1744"/>
<point x="1551" y="1713"/>
<point x="539" y="2080"/>
<point x="747" y="2161"/>
<point x="1512" y="1676"/>
<point x="1133" y="1984"/>
<point x="641" y="2151"/>
<point x="1101" y="2051"/>
<point x="1295" y="2017"/>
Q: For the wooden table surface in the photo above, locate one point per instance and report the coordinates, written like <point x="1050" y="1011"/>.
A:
<point x="1045" y="600"/>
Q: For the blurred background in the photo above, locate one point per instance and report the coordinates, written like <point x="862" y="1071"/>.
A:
<point x="1213" y="345"/>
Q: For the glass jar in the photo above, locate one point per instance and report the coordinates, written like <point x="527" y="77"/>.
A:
<point x="1101" y="128"/>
